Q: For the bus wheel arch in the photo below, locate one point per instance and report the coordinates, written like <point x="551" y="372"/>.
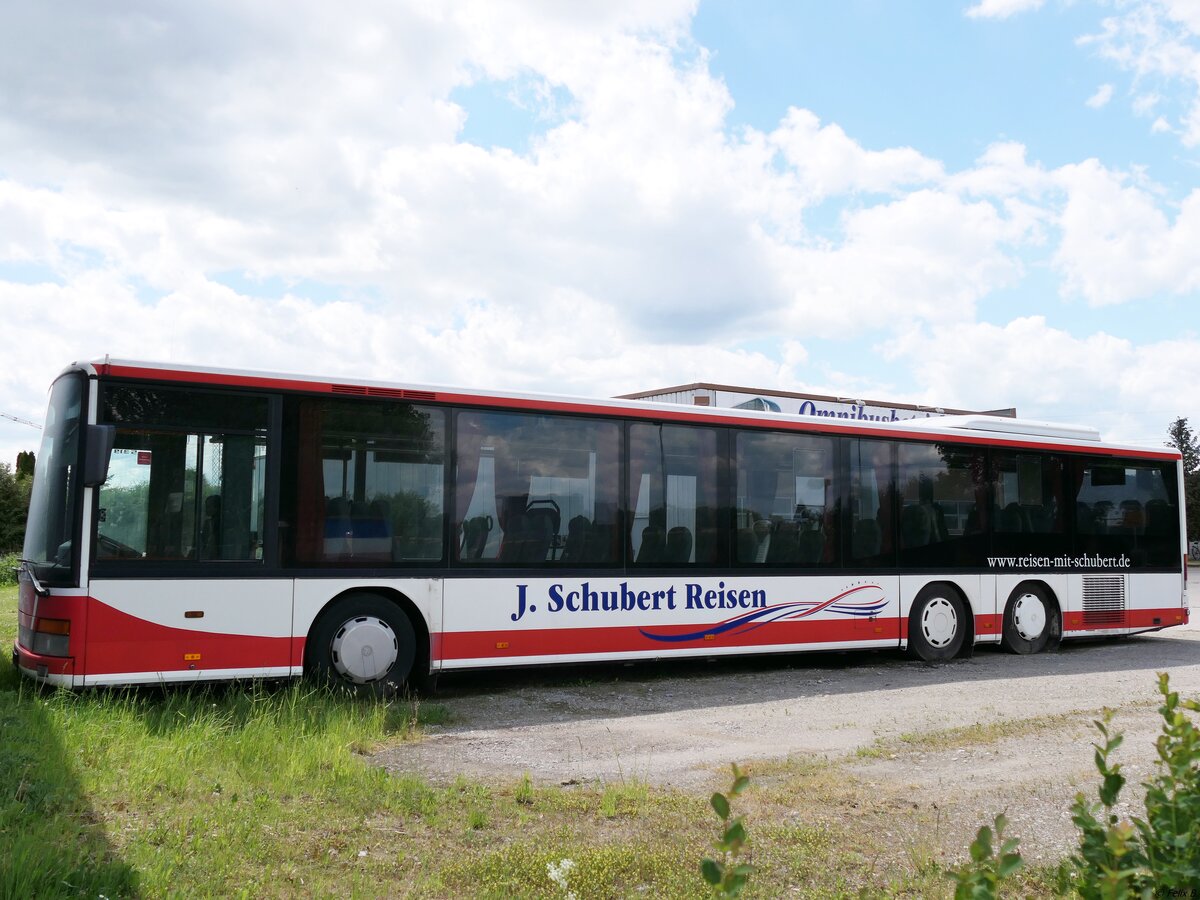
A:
<point x="1032" y="619"/>
<point x="941" y="624"/>
<point x="372" y="641"/>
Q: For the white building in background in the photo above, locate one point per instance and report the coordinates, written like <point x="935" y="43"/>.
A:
<point x="723" y="395"/>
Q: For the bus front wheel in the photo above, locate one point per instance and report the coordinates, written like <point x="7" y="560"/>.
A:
<point x="1030" y="620"/>
<point x="937" y="626"/>
<point x="365" y="643"/>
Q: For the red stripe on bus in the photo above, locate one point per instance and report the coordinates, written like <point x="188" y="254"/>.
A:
<point x="118" y="642"/>
<point x="501" y="645"/>
<point x="1128" y="618"/>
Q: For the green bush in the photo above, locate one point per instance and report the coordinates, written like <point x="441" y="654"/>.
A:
<point x="1158" y="856"/>
<point x="8" y="568"/>
<point x="981" y="877"/>
<point x="14" y="508"/>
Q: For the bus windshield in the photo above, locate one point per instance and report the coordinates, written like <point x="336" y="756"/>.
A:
<point x="49" y="534"/>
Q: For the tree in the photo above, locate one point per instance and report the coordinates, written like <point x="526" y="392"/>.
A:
<point x="1181" y="438"/>
<point x="14" y="508"/>
<point x="25" y="464"/>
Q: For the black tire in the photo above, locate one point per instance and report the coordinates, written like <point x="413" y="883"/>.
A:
<point x="365" y="643"/>
<point x="1031" y="620"/>
<point x="937" y="625"/>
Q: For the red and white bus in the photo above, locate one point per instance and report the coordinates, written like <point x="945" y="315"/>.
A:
<point x="193" y="523"/>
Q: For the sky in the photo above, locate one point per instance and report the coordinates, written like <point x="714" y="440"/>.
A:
<point x="979" y="204"/>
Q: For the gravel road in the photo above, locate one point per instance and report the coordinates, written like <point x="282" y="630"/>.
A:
<point x="681" y="724"/>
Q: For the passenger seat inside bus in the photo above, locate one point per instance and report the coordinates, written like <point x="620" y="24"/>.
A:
<point x="868" y="540"/>
<point x="653" y="547"/>
<point x="679" y="546"/>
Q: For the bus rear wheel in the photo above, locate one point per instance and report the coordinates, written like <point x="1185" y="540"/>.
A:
<point x="364" y="643"/>
<point x="1030" y="620"/>
<point x="937" y="625"/>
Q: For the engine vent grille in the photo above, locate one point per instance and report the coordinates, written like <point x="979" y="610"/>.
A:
<point x="359" y="390"/>
<point x="1104" y="600"/>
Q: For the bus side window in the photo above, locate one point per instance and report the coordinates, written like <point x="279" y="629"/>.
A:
<point x="943" y="495"/>
<point x="173" y="496"/>
<point x="534" y="490"/>
<point x="369" y="478"/>
<point x="872" y="502"/>
<point x="787" y="507"/>
<point x="1126" y="508"/>
<point x="672" y="496"/>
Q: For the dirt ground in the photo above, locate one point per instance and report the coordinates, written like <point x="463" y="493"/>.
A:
<point x="891" y="724"/>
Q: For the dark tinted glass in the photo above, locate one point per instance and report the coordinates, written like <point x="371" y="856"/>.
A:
<point x="672" y="496"/>
<point x="536" y="490"/>
<point x="49" y="532"/>
<point x="1028" y="512"/>
<point x="1126" y="509"/>
<point x="371" y="482"/>
<point x="182" y="408"/>
<point x="873" y="503"/>
<point x="943" y="503"/>
<point x="786" y="500"/>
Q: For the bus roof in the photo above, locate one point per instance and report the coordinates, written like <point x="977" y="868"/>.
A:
<point x="965" y="429"/>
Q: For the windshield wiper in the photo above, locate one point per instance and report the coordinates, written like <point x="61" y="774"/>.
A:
<point x="27" y="567"/>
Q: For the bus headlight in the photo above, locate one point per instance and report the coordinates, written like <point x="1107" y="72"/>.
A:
<point x="49" y="637"/>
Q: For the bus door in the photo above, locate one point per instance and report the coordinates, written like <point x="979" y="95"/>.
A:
<point x="178" y="581"/>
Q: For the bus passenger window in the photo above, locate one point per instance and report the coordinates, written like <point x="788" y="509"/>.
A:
<point x="536" y="490"/>
<point x="176" y="490"/>
<point x="786" y="503"/>
<point x="370" y="482"/>
<point x="943" y="494"/>
<point x="1126" y="509"/>
<point x="873" y="502"/>
<point x="672" y="496"/>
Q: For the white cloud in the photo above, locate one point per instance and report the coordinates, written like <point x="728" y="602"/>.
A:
<point x="1117" y="244"/>
<point x="827" y="162"/>
<point x="1001" y="9"/>
<point x="1144" y="104"/>
<point x="1158" y="41"/>
<point x="1049" y="373"/>
<point x="1100" y="99"/>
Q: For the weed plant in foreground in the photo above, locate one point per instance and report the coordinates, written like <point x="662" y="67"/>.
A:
<point x="1158" y="856"/>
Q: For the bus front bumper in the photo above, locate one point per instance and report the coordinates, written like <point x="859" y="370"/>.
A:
<point x="47" y="669"/>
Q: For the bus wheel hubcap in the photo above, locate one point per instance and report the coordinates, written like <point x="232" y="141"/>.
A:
<point x="939" y="622"/>
<point x="1029" y="616"/>
<point x="364" y="649"/>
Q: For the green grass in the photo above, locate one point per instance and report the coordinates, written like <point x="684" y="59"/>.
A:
<point x="265" y="790"/>
<point x="974" y="735"/>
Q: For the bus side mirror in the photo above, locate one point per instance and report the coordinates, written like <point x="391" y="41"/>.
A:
<point x="100" y="439"/>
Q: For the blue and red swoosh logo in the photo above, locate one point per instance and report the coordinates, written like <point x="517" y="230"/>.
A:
<point x="845" y="603"/>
